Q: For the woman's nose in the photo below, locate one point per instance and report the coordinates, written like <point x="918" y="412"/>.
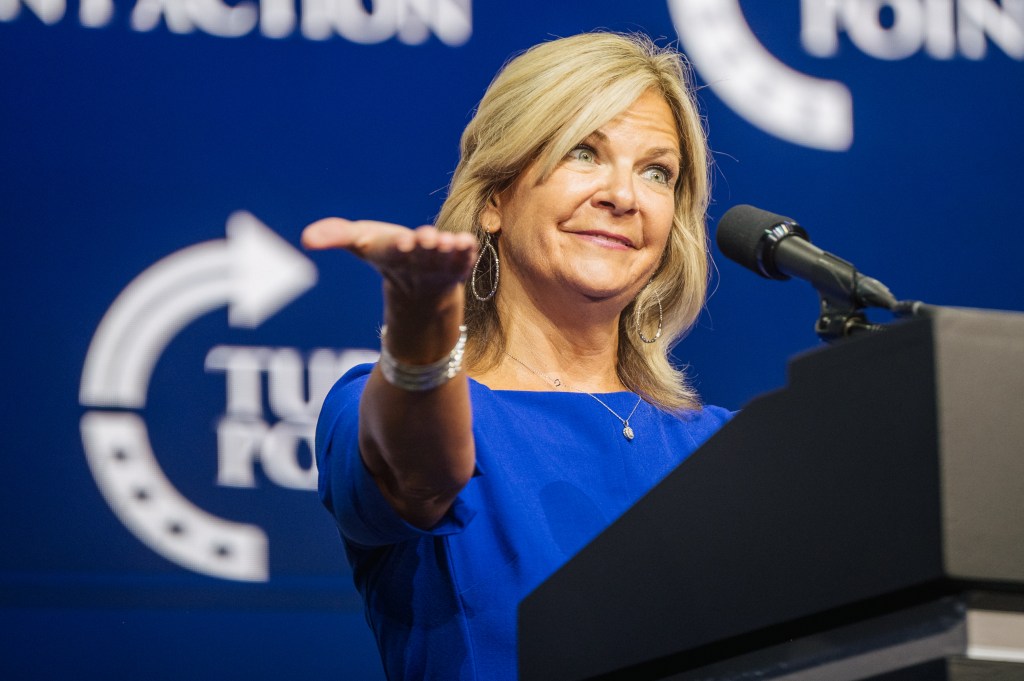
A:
<point x="618" y="192"/>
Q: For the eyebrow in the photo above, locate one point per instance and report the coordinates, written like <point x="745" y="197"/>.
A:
<point x="676" y="154"/>
<point x="668" y="151"/>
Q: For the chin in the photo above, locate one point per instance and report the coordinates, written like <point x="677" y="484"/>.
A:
<point x="596" y="291"/>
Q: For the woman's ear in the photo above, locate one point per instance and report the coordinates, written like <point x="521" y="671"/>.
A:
<point x="490" y="216"/>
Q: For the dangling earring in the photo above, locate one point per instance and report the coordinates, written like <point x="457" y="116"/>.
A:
<point x="661" y="318"/>
<point x="486" y="247"/>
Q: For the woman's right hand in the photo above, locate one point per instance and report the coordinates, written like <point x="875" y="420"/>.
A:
<point x="419" y="264"/>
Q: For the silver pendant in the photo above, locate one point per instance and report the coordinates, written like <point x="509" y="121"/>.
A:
<point x="628" y="432"/>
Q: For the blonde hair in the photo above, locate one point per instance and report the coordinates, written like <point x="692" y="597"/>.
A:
<point x="537" y="109"/>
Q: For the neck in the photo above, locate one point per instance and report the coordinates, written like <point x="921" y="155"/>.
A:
<point x="574" y="344"/>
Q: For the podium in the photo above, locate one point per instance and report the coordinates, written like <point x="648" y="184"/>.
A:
<point x="864" y="522"/>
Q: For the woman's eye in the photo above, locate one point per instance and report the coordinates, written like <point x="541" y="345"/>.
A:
<point x="658" y="174"/>
<point x="583" y="153"/>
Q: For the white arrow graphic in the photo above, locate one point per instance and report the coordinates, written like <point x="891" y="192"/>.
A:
<point x="119" y="454"/>
<point x="776" y="98"/>
<point x="254" y="271"/>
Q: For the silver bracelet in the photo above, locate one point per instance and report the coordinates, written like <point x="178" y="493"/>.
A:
<point x="419" y="377"/>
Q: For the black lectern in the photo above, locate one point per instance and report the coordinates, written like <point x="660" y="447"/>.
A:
<point x="864" y="522"/>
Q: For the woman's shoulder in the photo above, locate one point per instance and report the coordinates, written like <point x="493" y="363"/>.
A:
<point x="353" y="379"/>
<point x="713" y="414"/>
<point x="704" y="421"/>
<point x="346" y="391"/>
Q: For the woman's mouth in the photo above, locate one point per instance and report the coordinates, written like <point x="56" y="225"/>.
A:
<point x="606" y="239"/>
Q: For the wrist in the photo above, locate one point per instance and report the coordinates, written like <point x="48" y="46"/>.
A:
<point x="420" y="377"/>
<point x="423" y="308"/>
<point x="424" y="330"/>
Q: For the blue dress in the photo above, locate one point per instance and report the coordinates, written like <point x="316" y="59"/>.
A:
<point x="553" y="470"/>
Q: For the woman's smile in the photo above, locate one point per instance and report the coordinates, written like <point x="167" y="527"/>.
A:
<point x="606" y="239"/>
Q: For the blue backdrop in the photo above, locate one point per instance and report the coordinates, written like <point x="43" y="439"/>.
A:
<point x="166" y="344"/>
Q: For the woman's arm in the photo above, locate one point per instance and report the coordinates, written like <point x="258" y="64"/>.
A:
<point x="418" y="445"/>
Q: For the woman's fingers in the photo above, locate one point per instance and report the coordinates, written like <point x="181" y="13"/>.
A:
<point x="327" y="233"/>
<point x="353" y="235"/>
<point x="436" y="261"/>
<point x="415" y="259"/>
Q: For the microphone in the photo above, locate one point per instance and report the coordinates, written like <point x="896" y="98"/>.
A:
<point x="776" y="247"/>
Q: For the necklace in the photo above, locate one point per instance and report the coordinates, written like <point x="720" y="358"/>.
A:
<point x="627" y="431"/>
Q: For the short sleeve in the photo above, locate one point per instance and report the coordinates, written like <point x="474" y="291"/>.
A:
<point x="346" y="487"/>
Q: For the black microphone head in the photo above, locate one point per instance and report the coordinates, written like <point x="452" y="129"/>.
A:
<point x="747" y="235"/>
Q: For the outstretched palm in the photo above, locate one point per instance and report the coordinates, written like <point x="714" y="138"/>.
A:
<point x="419" y="263"/>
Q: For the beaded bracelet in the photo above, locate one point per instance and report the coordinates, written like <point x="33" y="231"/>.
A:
<point x="419" y="377"/>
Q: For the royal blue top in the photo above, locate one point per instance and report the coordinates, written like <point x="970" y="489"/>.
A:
<point x="553" y="470"/>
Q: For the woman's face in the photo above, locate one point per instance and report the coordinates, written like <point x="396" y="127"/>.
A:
<point x="598" y="225"/>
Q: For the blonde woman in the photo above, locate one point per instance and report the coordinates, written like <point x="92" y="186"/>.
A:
<point x="524" y="398"/>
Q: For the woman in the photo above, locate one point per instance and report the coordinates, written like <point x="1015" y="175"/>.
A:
<point x="524" y="398"/>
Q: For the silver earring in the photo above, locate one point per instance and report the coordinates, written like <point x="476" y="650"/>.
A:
<point x="661" y="318"/>
<point x="486" y="247"/>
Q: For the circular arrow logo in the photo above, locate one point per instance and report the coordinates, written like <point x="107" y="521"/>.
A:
<point x="255" y="273"/>
<point x="776" y="98"/>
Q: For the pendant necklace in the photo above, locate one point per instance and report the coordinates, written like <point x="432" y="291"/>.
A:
<point x="627" y="430"/>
